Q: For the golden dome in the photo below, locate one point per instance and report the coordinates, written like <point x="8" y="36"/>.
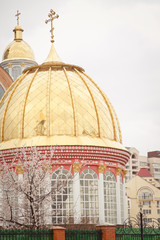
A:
<point x="18" y="49"/>
<point x="57" y="104"/>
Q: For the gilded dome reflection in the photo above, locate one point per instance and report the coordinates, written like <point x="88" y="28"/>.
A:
<point x="18" y="50"/>
<point x="57" y="99"/>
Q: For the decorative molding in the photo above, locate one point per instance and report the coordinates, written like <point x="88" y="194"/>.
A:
<point x="73" y="155"/>
<point x="124" y="173"/>
<point x="9" y="65"/>
<point x="19" y="169"/>
<point x="22" y="64"/>
<point x="47" y="168"/>
<point x="101" y="168"/>
<point x="118" y="171"/>
<point x="76" y="167"/>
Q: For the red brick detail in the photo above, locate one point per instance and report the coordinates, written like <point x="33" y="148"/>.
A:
<point x="108" y="232"/>
<point x="5" y="79"/>
<point x="58" y="233"/>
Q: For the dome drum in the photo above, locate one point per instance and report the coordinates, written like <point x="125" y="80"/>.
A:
<point x="18" y="55"/>
<point x="85" y="169"/>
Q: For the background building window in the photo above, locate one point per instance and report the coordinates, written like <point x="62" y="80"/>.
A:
<point x="110" y="206"/>
<point x="145" y="194"/>
<point x="89" y="196"/>
<point x="147" y="220"/>
<point x="147" y="203"/>
<point x="62" y="196"/>
<point x="146" y="211"/>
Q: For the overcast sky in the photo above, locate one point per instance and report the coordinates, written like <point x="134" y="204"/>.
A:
<point x="117" y="42"/>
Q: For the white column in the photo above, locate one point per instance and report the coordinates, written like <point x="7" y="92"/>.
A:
<point x="124" y="199"/>
<point x="20" y="203"/>
<point x="48" y="201"/>
<point x="118" y="195"/>
<point x="76" y="194"/>
<point x="101" y="196"/>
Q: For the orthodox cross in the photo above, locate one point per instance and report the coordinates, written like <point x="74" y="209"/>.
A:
<point x="17" y="15"/>
<point x="52" y="15"/>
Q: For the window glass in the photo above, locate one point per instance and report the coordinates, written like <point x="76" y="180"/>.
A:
<point x="62" y="196"/>
<point x="89" y="196"/>
<point x="110" y="206"/>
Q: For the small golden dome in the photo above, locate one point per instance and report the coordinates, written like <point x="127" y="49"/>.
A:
<point x="18" y="49"/>
<point x="57" y="103"/>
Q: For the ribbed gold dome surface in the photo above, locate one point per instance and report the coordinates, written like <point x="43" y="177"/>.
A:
<point x="57" y="103"/>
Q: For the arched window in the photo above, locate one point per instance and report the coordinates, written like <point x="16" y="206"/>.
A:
<point x="145" y="194"/>
<point x="110" y="206"/>
<point x="89" y="196"/>
<point x="62" y="196"/>
<point x="1" y="91"/>
<point x="122" y="200"/>
<point x="16" y="72"/>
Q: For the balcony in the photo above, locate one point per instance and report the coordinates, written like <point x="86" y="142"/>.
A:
<point x="145" y="197"/>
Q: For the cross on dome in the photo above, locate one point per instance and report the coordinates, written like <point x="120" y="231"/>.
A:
<point x="52" y="15"/>
<point x="17" y="15"/>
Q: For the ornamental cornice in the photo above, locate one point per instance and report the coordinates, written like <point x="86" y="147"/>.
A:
<point x="84" y="154"/>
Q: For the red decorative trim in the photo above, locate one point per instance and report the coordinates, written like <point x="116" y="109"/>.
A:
<point x="68" y="155"/>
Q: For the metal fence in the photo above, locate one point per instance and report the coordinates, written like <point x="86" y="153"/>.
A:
<point x="135" y="234"/>
<point x="26" y="234"/>
<point x="83" y="234"/>
<point x="139" y="229"/>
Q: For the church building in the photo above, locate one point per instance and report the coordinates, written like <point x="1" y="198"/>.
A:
<point x="58" y="105"/>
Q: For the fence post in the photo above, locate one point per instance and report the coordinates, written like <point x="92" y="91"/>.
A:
<point x="108" y="232"/>
<point x="58" y="233"/>
<point x="141" y="226"/>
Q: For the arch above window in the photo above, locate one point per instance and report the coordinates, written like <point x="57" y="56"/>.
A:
<point x="109" y="176"/>
<point x="145" y="194"/>
<point x="88" y="174"/>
